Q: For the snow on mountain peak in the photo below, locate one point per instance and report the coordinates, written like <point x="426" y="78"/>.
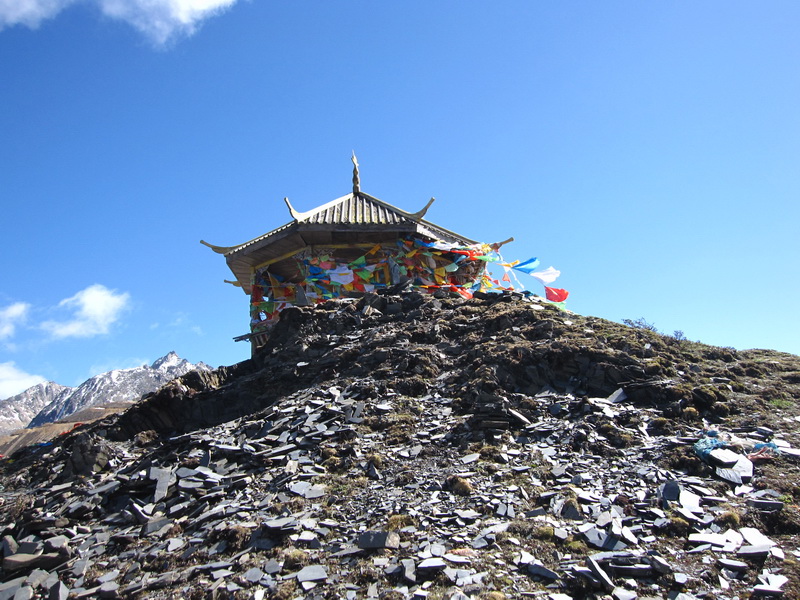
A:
<point x="119" y="385"/>
<point x="17" y="411"/>
<point x="169" y="360"/>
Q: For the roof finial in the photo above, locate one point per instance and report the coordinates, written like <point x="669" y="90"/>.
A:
<point x="356" y="180"/>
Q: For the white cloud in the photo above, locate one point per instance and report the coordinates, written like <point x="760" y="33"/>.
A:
<point x="95" y="310"/>
<point x="11" y="316"/>
<point x="13" y="380"/>
<point x="162" y="20"/>
<point x="159" y="20"/>
<point x="29" y="12"/>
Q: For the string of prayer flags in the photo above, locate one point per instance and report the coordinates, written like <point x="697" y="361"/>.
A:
<point x="316" y="275"/>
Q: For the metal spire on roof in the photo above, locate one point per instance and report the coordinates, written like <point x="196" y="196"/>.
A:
<point x="356" y="180"/>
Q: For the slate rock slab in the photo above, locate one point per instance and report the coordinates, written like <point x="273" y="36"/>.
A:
<point x="312" y="573"/>
<point x="371" y="540"/>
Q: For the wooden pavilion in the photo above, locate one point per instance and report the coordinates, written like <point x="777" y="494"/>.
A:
<point x="350" y="246"/>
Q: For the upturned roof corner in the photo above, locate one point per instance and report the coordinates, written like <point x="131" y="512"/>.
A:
<point x="421" y="213"/>
<point x="296" y="215"/>
<point x="218" y="249"/>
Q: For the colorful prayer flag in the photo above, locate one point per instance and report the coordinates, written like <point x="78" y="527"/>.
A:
<point x="555" y="294"/>
<point x="549" y="275"/>
<point x="527" y="266"/>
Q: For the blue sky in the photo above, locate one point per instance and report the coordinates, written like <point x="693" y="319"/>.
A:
<point x="649" y="151"/>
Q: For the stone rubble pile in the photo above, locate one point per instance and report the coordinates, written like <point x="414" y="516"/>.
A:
<point x="233" y="492"/>
<point x="355" y="490"/>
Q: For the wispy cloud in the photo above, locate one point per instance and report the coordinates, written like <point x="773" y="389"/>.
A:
<point x="159" y="20"/>
<point x="94" y="311"/>
<point x="12" y="315"/>
<point x="182" y="322"/>
<point x="13" y="380"/>
<point x="123" y="363"/>
<point x="29" y="12"/>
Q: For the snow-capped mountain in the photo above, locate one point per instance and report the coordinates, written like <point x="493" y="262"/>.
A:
<point x="119" y="385"/>
<point x="17" y="411"/>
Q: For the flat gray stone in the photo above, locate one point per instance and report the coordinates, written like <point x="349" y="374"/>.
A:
<point x="30" y="547"/>
<point x="753" y="551"/>
<point x="724" y="457"/>
<point x="437" y="549"/>
<point x="105" y="489"/>
<point x="58" y="591"/>
<point x="754" y="537"/>
<point x="470" y="458"/>
<point x="733" y="565"/>
<point x="661" y="565"/>
<point x="370" y="540"/>
<point x="311" y="573"/>
<point x="619" y="593"/>
<point x="632" y="571"/>
<point x="543" y="572"/>
<point x="272" y="567"/>
<point x="58" y="543"/>
<point x="110" y="576"/>
<point x="221" y="573"/>
<point x="315" y="491"/>
<point x="10" y="545"/>
<point x="80" y="566"/>
<point x="600" y="573"/>
<point x="155" y="525"/>
<point x="24" y="593"/>
<point x="765" y="505"/>
<point x="110" y="589"/>
<point x="715" y="539"/>
<point x="18" y="561"/>
<point x="670" y="490"/>
<point x="409" y="569"/>
<point x="9" y="588"/>
<point x="163" y="479"/>
<point x="37" y="578"/>
<point x="432" y="564"/>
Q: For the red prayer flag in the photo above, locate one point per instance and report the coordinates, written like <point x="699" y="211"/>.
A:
<point x="465" y="293"/>
<point x="555" y="295"/>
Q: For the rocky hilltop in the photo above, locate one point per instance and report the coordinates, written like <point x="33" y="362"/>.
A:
<point x="420" y="447"/>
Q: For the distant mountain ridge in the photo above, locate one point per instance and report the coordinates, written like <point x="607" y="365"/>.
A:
<point x="17" y="411"/>
<point x="49" y="402"/>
